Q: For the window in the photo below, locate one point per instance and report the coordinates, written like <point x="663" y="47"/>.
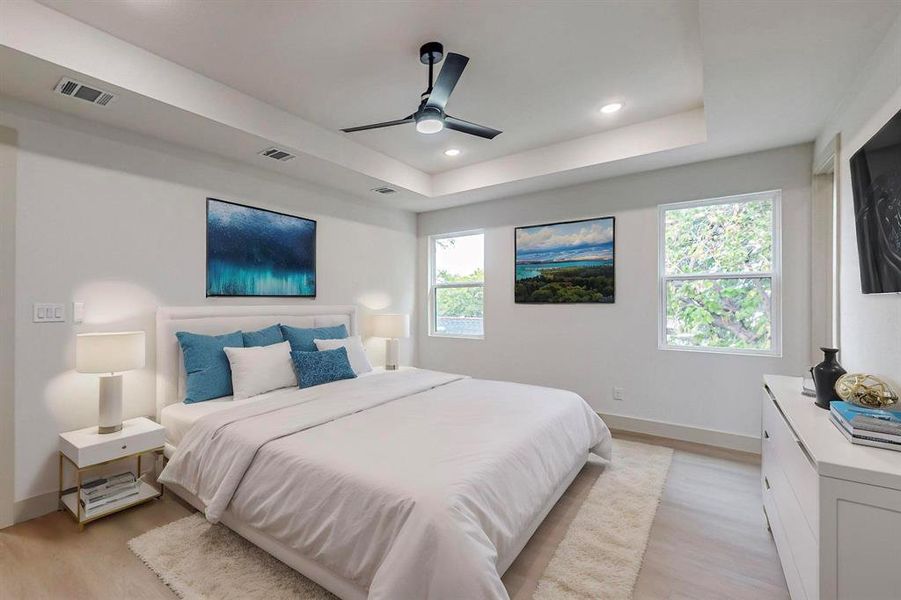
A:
<point x="456" y="284"/>
<point x="720" y="275"/>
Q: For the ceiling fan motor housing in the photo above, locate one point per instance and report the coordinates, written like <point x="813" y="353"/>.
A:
<point x="429" y="112"/>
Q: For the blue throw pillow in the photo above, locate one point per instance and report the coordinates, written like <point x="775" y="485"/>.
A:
<point x="209" y="374"/>
<point x="316" y="368"/>
<point x="264" y="337"/>
<point x="302" y="339"/>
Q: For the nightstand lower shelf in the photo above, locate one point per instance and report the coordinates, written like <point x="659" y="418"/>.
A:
<point x="145" y="493"/>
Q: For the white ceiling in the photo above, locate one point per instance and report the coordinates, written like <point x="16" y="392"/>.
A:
<point x="699" y="80"/>
<point x="538" y="71"/>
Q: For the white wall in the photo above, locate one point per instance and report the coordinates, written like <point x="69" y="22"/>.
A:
<point x="591" y="348"/>
<point x="869" y="325"/>
<point x="7" y="322"/>
<point x="117" y="221"/>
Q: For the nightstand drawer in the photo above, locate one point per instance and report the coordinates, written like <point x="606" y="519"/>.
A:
<point x="86" y="447"/>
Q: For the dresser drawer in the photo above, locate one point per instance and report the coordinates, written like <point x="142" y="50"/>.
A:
<point x="85" y="447"/>
<point x="792" y="577"/>
<point x="798" y="537"/>
<point x="784" y="448"/>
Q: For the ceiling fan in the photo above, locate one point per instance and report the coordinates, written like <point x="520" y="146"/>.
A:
<point x="430" y="116"/>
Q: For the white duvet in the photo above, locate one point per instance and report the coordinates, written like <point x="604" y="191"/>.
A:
<point x="413" y="484"/>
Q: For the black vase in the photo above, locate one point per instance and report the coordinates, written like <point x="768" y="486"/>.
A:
<point x="825" y="375"/>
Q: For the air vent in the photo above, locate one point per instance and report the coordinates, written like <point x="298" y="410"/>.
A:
<point x="76" y="89"/>
<point x="277" y="154"/>
<point x="384" y="190"/>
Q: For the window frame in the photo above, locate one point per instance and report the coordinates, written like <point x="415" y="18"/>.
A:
<point x="434" y="287"/>
<point x="775" y="274"/>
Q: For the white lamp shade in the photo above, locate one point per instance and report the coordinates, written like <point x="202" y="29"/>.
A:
<point x="109" y="352"/>
<point x="390" y="326"/>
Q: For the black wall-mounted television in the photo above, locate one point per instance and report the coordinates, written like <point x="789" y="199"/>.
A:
<point x="876" y="181"/>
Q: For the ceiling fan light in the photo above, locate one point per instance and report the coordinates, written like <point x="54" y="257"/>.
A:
<point x="611" y="108"/>
<point x="429" y="124"/>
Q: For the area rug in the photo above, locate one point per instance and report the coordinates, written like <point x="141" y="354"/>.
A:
<point x="599" y="556"/>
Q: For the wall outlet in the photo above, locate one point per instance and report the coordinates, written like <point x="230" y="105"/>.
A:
<point x="617" y="393"/>
<point x="49" y="313"/>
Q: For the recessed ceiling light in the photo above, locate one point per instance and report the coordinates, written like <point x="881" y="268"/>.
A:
<point x="451" y="152"/>
<point x="611" y="108"/>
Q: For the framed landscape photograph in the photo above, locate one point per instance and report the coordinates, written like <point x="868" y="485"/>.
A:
<point x="257" y="252"/>
<point x="565" y="263"/>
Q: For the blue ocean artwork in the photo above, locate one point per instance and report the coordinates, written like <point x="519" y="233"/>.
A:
<point x="570" y="262"/>
<point x="256" y="252"/>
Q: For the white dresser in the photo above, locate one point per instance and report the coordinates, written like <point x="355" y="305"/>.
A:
<point x="834" y="508"/>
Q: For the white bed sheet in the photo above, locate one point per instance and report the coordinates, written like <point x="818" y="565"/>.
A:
<point x="178" y="418"/>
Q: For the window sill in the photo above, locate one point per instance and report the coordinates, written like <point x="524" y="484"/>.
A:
<point x="457" y="337"/>
<point x="727" y="351"/>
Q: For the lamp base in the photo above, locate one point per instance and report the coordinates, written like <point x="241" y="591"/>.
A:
<point x="110" y="404"/>
<point x="392" y="347"/>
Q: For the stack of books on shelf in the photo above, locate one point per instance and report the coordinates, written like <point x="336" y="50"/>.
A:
<point x="867" y="426"/>
<point x="98" y="495"/>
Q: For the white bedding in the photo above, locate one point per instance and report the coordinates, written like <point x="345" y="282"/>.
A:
<point x="413" y="484"/>
<point x="178" y="418"/>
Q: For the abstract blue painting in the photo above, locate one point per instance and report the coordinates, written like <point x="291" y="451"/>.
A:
<point x="565" y="263"/>
<point x="256" y="252"/>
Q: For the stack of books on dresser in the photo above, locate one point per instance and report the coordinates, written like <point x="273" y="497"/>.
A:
<point x="867" y="426"/>
<point x="100" y="494"/>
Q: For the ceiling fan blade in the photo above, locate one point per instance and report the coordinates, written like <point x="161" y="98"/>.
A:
<point x="470" y="128"/>
<point x="409" y="119"/>
<point x="447" y="79"/>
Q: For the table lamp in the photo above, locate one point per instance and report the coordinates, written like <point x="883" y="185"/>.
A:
<point x="391" y="327"/>
<point x="109" y="353"/>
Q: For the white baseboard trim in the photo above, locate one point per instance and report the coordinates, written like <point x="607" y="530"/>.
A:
<point x="36" y="506"/>
<point x="685" y="433"/>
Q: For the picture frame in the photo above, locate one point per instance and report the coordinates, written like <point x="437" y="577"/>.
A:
<point x="257" y="252"/>
<point x="565" y="262"/>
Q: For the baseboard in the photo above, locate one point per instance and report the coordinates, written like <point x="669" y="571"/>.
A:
<point x="685" y="433"/>
<point x="36" y="506"/>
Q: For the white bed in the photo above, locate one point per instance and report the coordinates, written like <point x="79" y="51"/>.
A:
<point x="178" y="418"/>
<point x="413" y="484"/>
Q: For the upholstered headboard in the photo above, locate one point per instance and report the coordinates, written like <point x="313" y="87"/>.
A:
<point x="216" y="320"/>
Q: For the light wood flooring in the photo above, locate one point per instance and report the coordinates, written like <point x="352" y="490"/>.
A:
<point x="708" y="541"/>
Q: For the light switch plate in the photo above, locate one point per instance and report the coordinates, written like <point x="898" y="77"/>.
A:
<point x="77" y="312"/>
<point x="49" y="313"/>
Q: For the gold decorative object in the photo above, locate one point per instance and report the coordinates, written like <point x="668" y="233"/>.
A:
<point x="866" y="390"/>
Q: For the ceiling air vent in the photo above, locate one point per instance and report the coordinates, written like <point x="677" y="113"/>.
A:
<point x="384" y="190"/>
<point x="75" y="89"/>
<point x="277" y="154"/>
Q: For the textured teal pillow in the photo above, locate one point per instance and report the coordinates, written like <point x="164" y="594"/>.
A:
<point x="302" y="339"/>
<point x="209" y="375"/>
<point x="264" y="337"/>
<point x="316" y="368"/>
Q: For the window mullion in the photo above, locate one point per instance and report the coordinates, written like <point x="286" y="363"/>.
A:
<point x="696" y="276"/>
<point x="468" y="284"/>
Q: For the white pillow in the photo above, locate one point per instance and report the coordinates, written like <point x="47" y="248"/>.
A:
<point x="355" y="353"/>
<point x="261" y="369"/>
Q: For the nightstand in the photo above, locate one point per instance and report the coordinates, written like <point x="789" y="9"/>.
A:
<point x="87" y="450"/>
